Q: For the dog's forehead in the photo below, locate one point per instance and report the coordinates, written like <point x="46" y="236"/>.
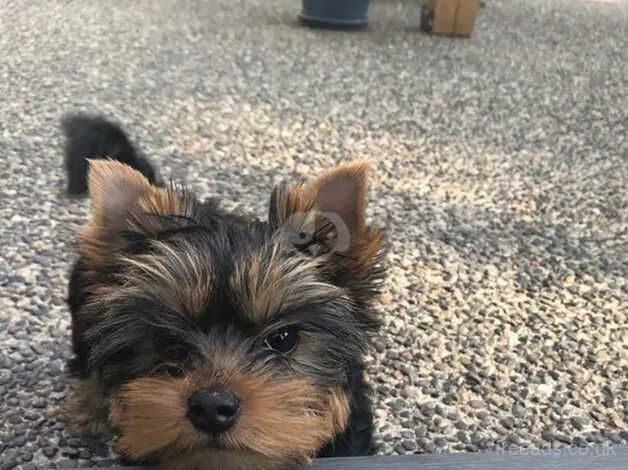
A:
<point x="235" y="273"/>
<point x="269" y="281"/>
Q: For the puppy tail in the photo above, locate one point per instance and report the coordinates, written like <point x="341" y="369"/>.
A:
<point x="90" y="137"/>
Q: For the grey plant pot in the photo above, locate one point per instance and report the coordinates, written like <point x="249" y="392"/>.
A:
<point x="335" y="14"/>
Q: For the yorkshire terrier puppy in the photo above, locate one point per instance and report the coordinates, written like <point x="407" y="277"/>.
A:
<point x="211" y="340"/>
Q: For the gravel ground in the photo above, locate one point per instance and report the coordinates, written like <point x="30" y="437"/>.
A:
<point x="500" y="172"/>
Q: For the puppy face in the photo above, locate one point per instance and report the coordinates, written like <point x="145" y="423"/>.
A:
<point x="223" y="340"/>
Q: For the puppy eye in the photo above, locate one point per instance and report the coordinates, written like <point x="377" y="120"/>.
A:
<point x="283" y="340"/>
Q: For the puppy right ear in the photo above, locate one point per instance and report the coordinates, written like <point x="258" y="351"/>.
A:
<point x="120" y="196"/>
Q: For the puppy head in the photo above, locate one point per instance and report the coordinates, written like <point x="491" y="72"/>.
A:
<point x="222" y="339"/>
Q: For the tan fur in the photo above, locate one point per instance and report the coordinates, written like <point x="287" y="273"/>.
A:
<point x="118" y="193"/>
<point x="218" y="459"/>
<point x="86" y="408"/>
<point x="108" y="178"/>
<point x="352" y="177"/>
<point x="338" y="406"/>
<point x="111" y="179"/>
<point x="366" y="247"/>
<point x="177" y="277"/>
<point x="337" y="418"/>
<point x="268" y="283"/>
<point x="165" y="201"/>
<point x="280" y="421"/>
<point x="290" y="201"/>
<point x="150" y="414"/>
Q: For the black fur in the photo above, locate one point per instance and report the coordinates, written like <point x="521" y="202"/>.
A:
<point x="90" y="137"/>
<point x="357" y="439"/>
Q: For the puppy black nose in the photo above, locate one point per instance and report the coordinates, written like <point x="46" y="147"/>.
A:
<point x="213" y="412"/>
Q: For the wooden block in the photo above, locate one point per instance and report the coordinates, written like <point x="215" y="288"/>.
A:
<point x="465" y="17"/>
<point x="450" y="17"/>
<point x="445" y="16"/>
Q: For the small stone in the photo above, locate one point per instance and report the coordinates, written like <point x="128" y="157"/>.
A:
<point x="428" y="410"/>
<point x="578" y="422"/>
<point x="420" y="431"/>
<point x="548" y="436"/>
<point x="31" y="415"/>
<point x="500" y="430"/>
<point x="473" y="379"/>
<point x="614" y="438"/>
<point x="75" y="443"/>
<point x="450" y="399"/>
<point x="518" y="411"/>
<point x="399" y="449"/>
<point x="461" y="425"/>
<point x="453" y="415"/>
<point x="68" y="464"/>
<point x="409" y="445"/>
<point x="440" y="442"/>
<point x="380" y="346"/>
<point x="8" y="463"/>
<point x="70" y="452"/>
<point x="398" y="404"/>
<point x="477" y="404"/>
<point x="508" y="423"/>
<point x="407" y="434"/>
<point x="562" y="438"/>
<point x="483" y="443"/>
<point x="513" y="439"/>
<point x="426" y="445"/>
<point x="595" y="437"/>
<point x="50" y="452"/>
<point x="39" y="403"/>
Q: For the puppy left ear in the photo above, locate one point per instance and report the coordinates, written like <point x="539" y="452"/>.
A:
<point x="342" y="191"/>
<point x="354" y="261"/>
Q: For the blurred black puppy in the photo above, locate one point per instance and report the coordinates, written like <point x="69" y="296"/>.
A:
<point x="92" y="137"/>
